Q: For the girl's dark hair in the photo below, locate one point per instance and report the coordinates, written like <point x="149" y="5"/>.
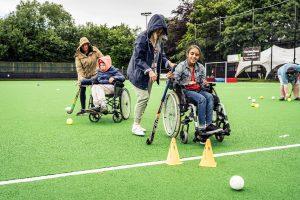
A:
<point x="193" y="46"/>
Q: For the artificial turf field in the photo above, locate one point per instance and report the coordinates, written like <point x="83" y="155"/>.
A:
<point x="35" y="141"/>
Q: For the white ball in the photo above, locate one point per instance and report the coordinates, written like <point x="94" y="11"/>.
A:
<point x="253" y="100"/>
<point x="8" y="75"/>
<point x="273" y="98"/>
<point x="249" y="98"/>
<point x="236" y="182"/>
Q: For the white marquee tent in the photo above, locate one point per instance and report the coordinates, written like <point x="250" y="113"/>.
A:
<point x="280" y="56"/>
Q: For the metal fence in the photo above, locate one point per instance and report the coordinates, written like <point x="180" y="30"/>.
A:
<point x="37" y="70"/>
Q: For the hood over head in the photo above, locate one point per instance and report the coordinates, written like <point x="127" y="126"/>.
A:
<point x="82" y="41"/>
<point x="107" y="61"/>
<point x="156" y="22"/>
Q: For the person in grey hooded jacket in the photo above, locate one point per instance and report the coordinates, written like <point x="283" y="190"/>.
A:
<point x="145" y="65"/>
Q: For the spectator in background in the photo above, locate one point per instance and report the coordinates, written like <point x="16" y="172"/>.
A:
<point x="289" y="73"/>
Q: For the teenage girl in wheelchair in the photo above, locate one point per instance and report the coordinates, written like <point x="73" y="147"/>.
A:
<point x="108" y="93"/>
<point x="193" y="99"/>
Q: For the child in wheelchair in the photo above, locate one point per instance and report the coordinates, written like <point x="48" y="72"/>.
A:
<point x="189" y="75"/>
<point x="103" y="83"/>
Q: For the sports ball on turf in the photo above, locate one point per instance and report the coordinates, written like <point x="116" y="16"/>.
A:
<point x="236" y="182"/>
<point x="69" y="121"/>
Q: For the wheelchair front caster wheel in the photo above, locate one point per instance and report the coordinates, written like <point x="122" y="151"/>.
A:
<point x="94" y="117"/>
<point x="219" y="137"/>
<point x="117" y="117"/>
<point x="184" y="137"/>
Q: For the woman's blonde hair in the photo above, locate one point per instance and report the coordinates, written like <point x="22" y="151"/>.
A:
<point x="193" y="46"/>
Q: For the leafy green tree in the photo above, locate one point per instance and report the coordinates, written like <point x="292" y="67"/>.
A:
<point x="177" y="27"/>
<point x="116" y="41"/>
<point x="204" y="27"/>
<point x="271" y="25"/>
<point x="37" y="32"/>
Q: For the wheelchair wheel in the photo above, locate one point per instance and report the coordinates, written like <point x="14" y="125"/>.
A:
<point x="184" y="137"/>
<point x="219" y="137"/>
<point x="94" y="117"/>
<point x="125" y="104"/>
<point x="171" y="114"/>
<point x="117" y="117"/>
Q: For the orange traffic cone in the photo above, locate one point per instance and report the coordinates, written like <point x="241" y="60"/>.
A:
<point x="207" y="159"/>
<point x="173" y="156"/>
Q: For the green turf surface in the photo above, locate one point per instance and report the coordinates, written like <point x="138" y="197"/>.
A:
<point x="35" y="141"/>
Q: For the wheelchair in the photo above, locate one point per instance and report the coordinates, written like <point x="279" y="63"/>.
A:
<point x="178" y="112"/>
<point x="118" y="104"/>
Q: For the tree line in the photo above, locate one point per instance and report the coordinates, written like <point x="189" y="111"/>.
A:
<point x="45" y="32"/>
<point x="222" y="27"/>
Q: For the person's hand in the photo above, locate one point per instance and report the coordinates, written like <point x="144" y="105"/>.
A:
<point x="192" y="82"/>
<point x="205" y="82"/>
<point x="172" y="64"/>
<point x="111" y="79"/>
<point x="170" y="75"/>
<point x="152" y="76"/>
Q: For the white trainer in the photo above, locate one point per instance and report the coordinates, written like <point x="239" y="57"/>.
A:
<point x="136" y="130"/>
<point x="143" y="129"/>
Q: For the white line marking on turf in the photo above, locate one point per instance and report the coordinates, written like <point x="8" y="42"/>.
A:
<point x="284" y="136"/>
<point x="93" y="171"/>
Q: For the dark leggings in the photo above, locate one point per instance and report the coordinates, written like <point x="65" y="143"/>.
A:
<point x="82" y="97"/>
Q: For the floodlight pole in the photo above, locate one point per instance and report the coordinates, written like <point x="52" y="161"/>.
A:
<point x="146" y="14"/>
<point x="252" y="38"/>
<point x="220" y="36"/>
<point x="295" y="32"/>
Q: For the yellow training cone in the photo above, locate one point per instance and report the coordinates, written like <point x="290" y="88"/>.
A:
<point x="173" y="156"/>
<point x="207" y="159"/>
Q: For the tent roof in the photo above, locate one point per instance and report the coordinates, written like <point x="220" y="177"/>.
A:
<point x="280" y="56"/>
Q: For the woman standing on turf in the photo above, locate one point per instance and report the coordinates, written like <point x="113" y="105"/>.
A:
<point x="86" y="58"/>
<point x="190" y="74"/>
<point x="145" y="66"/>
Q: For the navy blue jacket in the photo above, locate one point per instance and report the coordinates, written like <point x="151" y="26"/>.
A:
<point x="143" y="54"/>
<point x="103" y="77"/>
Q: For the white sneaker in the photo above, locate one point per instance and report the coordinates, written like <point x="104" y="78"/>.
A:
<point x="143" y="129"/>
<point x="136" y="130"/>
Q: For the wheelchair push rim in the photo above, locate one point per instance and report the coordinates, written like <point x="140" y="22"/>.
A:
<point x="171" y="114"/>
<point x="125" y="104"/>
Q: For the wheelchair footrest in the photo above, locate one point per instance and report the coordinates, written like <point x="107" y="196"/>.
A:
<point x="90" y="111"/>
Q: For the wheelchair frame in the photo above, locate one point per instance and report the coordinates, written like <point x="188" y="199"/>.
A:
<point x="118" y="105"/>
<point x="182" y="122"/>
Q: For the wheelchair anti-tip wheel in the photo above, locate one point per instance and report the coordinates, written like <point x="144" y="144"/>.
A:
<point x="117" y="117"/>
<point x="184" y="137"/>
<point x="125" y="104"/>
<point x="171" y="114"/>
<point x="94" y="117"/>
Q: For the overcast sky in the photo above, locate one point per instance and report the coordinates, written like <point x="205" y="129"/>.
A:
<point x="111" y="12"/>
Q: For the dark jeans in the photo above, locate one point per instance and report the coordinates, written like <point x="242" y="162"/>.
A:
<point x="82" y="97"/>
<point x="205" y="103"/>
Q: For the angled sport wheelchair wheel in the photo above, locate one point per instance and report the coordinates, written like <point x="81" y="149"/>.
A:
<point x="171" y="114"/>
<point x="125" y="104"/>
